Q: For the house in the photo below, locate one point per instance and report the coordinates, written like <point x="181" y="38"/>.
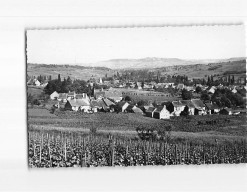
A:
<point x="81" y="96"/>
<point x="180" y="86"/>
<point x="99" y="94"/>
<point x="36" y="82"/>
<point x="114" y="95"/>
<point x="30" y="82"/>
<point x="94" y="105"/>
<point x="122" y="105"/>
<point x="234" y="90"/>
<point x="102" y="105"/>
<point x="212" y="90"/>
<point x="150" y="112"/>
<point x="190" y="106"/>
<point x="130" y="108"/>
<point x="226" y="111"/>
<point x="54" y="95"/>
<point x="200" y="108"/>
<point x="212" y="108"/>
<point x="44" y="84"/>
<point x="161" y="113"/>
<point x="71" y="95"/>
<point x="115" y="99"/>
<point x="108" y="102"/>
<point x="62" y="97"/>
<point x="77" y="104"/>
<point x="178" y="107"/>
<point x="98" y="104"/>
<point x="137" y="110"/>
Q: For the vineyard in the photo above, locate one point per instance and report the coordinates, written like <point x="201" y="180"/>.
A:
<point x="67" y="149"/>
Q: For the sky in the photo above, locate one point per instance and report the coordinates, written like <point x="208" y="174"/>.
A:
<point x="70" y="46"/>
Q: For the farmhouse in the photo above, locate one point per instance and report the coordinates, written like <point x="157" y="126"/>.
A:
<point x="226" y="111"/>
<point x="212" y="90"/>
<point x="180" y="86"/>
<point x="102" y="105"/>
<point x="54" y="95"/>
<point x="178" y="107"/>
<point x="150" y="112"/>
<point x="123" y="105"/>
<point x="130" y="108"/>
<point x="36" y="82"/>
<point x="62" y="97"/>
<point x="77" y="104"/>
<point x="200" y="108"/>
<point x="137" y="110"/>
<point x="190" y="106"/>
<point x="99" y="94"/>
<point x="107" y="102"/>
<point x="81" y="96"/>
<point x="94" y="105"/>
<point x="212" y="108"/>
<point x="71" y="95"/>
<point x="161" y="113"/>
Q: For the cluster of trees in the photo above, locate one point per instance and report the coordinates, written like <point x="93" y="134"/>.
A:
<point x="79" y="86"/>
<point x="40" y="78"/>
<point x="225" y="97"/>
<point x="222" y="97"/>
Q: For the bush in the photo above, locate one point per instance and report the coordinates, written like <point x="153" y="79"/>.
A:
<point x="36" y="102"/>
<point x="154" y="134"/>
<point x="93" y="129"/>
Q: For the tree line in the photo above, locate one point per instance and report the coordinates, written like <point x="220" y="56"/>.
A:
<point x="79" y="86"/>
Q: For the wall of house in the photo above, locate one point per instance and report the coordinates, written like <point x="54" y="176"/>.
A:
<point x="164" y="114"/>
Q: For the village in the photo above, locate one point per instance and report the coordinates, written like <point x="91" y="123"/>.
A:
<point x="151" y="99"/>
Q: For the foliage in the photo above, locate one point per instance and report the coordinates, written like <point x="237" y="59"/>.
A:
<point x="73" y="149"/>
<point x="186" y="95"/>
<point x="79" y="86"/>
<point x="127" y="99"/>
<point x="225" y="97"/>
<point x="198" y="89"/>
<point x="151" y="133"/>
<point x="205" y="96"/>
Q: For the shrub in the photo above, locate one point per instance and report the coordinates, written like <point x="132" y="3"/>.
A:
<point x="154" y="133"/>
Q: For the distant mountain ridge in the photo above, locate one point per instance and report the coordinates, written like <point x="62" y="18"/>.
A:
<point x="171" y="66"/>
<point x="153" y="62"/>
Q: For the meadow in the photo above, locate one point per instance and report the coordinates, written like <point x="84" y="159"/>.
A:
<point x="67" y="139"/>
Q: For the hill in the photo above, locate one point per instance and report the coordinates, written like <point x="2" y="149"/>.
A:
<point x="147" y="63"/>
<point x="73" y="71"/>
<point x="166" y="66"/>
<point x="237" y="68"/>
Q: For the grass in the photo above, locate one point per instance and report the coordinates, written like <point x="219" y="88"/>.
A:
<point x="34" y="91"/>
<point x="40" y="113"/>
<point x="124" y="125"/>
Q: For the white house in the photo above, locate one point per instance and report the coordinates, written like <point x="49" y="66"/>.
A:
<point x="200" y="108"/>
<point x="234" y="90"/>
<point x="191" y="107"/>
<point x="161" y="113"/>
<point x="37" y="83"/>
<point x="78" y="104"/>
<point x="54" y="95"/>
<point x="178" y="108"/>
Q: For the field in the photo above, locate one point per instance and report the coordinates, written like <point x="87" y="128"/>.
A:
<point x="57" y="149"/>
<point x="74" y="72"/>
<point x="66" y="139"/>
<point x="34" y="91"/>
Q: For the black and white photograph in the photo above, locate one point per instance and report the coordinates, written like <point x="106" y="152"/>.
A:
<point x="136" y="96"/>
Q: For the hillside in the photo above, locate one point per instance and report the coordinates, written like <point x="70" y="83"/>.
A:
<point x="169" y="66"/>
<point x="74" y="72"/>
<point x="156" y="62"/>
<point x="237" y="68"/>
